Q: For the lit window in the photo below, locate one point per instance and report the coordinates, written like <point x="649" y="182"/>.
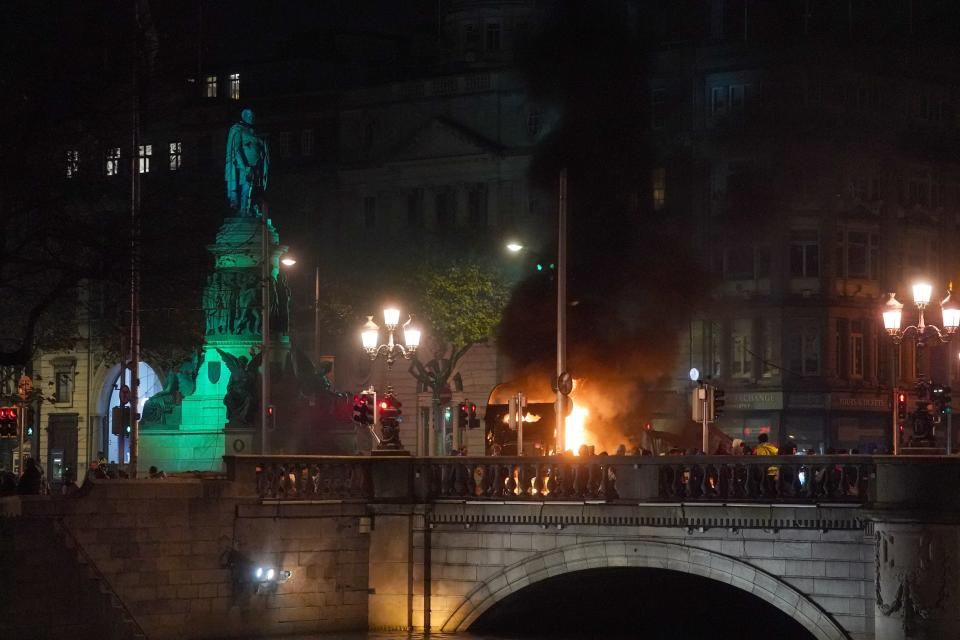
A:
<point x="176" y="155"/>
<point x="113" y="161"/>
<point x="284" y="143"/>
<point x="210" y="87"/>
<point x="493" y="37"/>
<point x="144" y="153"/>
<point x="234" y="86"/>
<point x="73" y="162"/>
<point x="659" y="188"/>
<point x="306" y="142"/>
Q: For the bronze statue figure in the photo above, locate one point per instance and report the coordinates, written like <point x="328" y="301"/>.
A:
<point x="247" y="166"/>
<point x="241" y="399"/>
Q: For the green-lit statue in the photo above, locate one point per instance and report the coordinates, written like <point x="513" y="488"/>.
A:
<point x="247" y="165"/>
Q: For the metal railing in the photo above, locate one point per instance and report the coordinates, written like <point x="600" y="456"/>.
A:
<point x="761" y="479"/>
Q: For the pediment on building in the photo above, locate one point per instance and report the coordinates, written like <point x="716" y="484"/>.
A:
<point x="443" y="138"/>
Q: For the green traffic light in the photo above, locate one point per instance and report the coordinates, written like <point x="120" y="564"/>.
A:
<point x="539" y="267"/>
<point x="553" y="266"/>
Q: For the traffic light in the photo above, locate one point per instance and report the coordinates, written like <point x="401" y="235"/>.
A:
<point x="120" y="422"/>
<point x="357" y="409"/>
<point x="901" y="407"/>
<point x="8" y="423"/>
<point x="473" y="421"/>
<point x="717" y="402"/>
<point x="463" y="415"/>
<point x="944" y="400"/>
<point x="271" y="417"/>
<point x="390" y="410"/>
<point x="363" y="407"/>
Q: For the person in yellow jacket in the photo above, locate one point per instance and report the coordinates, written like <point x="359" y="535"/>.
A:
<point x="764" y="448"/>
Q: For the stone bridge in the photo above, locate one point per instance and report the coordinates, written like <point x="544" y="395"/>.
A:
<point x="847" y="546"/>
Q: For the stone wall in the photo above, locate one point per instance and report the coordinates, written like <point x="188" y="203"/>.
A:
<point x="164" y="548"/>
<point x="480" y="553"/>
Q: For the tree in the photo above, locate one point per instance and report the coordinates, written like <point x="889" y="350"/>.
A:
<point x="462" y="305"/>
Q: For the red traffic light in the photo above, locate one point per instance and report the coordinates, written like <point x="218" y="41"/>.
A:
<point x="902" y="398"/>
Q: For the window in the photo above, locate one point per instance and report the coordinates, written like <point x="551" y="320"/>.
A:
<point x="741" y="362"/>
<point x="769" y="350"/>
<point x="415" y="209"/>
<point x="370" y="212"/>
<point x="63" y="391"/>
<point x="659" y="179"/>
<point x="718" y="100"/>
<point x="234" y="86"/>
<point x="445" y="202"/>
<point x="716" y="337"/>
<point x="856" y="349"/>
<point x="176" y="155"/>
<point x="737" y="94"/>
<point x="493" y="37"/>
<point x="534" y="122"/>
<point x="658" y="108"/>
<point x="113" y="161"/>
<point x="284" y="141"/>
<point x="144" y="153"/>
<point x="306" y="142"/>
<point x="477" y="206"/>
<point x="858" y="254"/>
<point x="210" y="87"/>
<point x="804" y="253"/>
<point x="804" y="349"/>
<point x="470" y="37"/>
<point x="73" y="162"/>
<point x="746" y="262"/>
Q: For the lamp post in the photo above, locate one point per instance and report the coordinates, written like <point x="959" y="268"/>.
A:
<point x="370" y="338"/>
<point x="892" y="322"/>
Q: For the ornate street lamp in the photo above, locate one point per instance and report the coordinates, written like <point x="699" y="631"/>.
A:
<point x="893" y="315"/>
<point x="370" y="336"/>
<point x="893" y="324"/>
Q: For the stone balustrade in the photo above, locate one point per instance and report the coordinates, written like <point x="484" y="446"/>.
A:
<point x="762" y="479"/>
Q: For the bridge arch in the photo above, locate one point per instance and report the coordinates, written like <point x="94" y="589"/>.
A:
<point x="644" y="554"/>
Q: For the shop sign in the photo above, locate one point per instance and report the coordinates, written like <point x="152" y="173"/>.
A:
<point x="852" y="402"/>
<point x="754" y="400"/>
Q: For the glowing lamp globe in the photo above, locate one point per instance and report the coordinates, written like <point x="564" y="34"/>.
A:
<point x="951" y="313"/>
<point x="411" y="336"/>
<point x="391" y="317"/>
<point x="921" y="293"/>
<point x="892" y="314"/>
<point x="370" y="334"/>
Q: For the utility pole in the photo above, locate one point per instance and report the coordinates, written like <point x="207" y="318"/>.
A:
<point x="561" y="420"/>
<point x="316" y="315"/>
<point x="266" y="275"/>
<point x="135" y="253"/>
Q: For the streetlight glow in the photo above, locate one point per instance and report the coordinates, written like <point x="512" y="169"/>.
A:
<point x="921" y="293"/>
<point x="411" y="335"/>
<point x="370" y="334"/>
<point x="391" y="317"/>
<point x="288" y="261"/>
<point x="950" y="308"/>
<point x="892" y="314"/>
<point x="514" y="247"/>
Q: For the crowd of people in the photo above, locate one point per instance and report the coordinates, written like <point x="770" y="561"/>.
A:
<point x="33" y="481"/>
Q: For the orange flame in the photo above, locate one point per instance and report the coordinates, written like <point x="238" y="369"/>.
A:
<point x="527" y="418"/>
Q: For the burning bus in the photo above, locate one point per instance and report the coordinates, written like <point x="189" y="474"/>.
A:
<point x="596" y="417"/>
